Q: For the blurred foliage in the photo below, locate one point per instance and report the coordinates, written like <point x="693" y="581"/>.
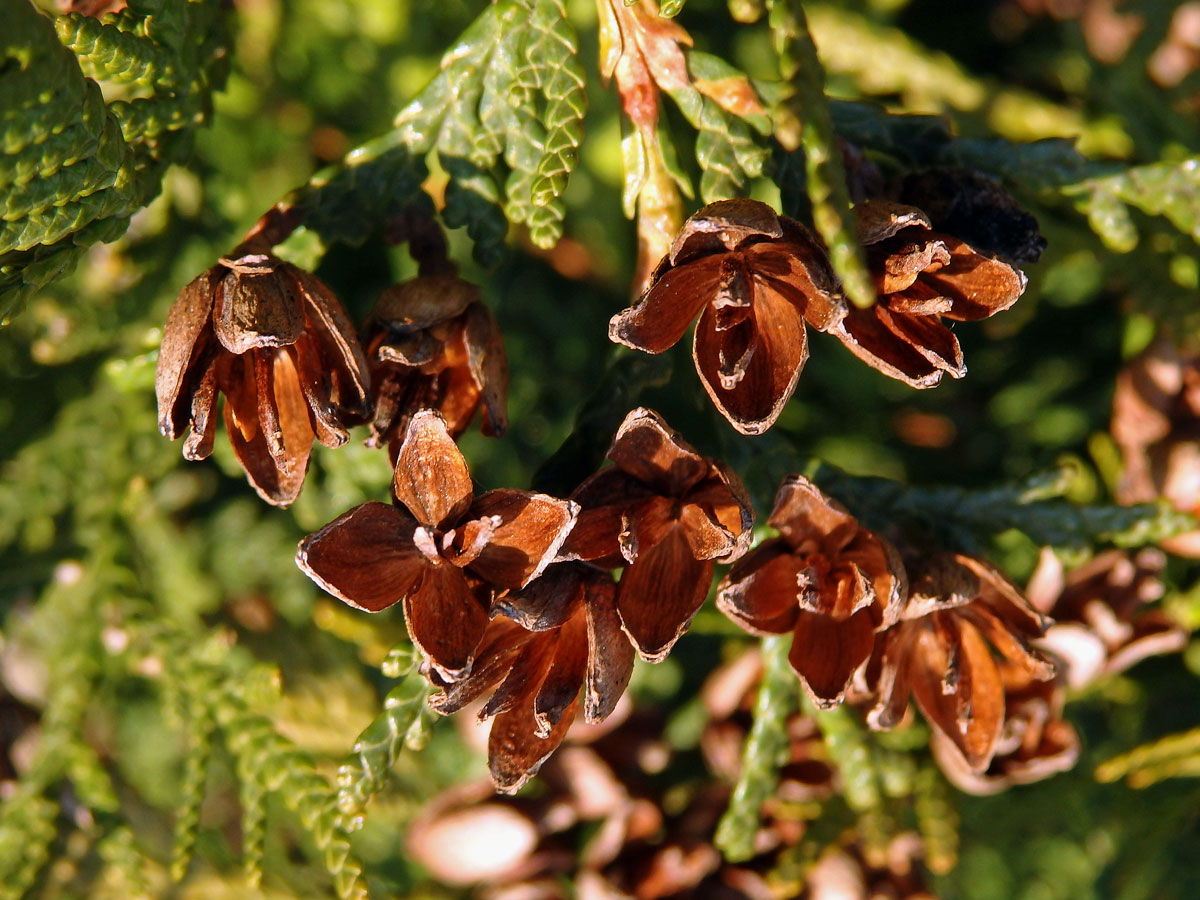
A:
<point x="177" y="700"/>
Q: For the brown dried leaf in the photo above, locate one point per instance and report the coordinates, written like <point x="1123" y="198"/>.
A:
<point x="971" y="716"/>
<point x="275" y="462"/>
<point x="724" y="226"/>
<point x="559" y="690"/>
<point x="866" y="336"/>
<point x="202" y="423"/>
<point x="498" y="650"/>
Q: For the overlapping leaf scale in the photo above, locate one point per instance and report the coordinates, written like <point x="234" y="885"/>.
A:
<point x="419" y="124"/>
<point x="726" y="148"/>
<point x="547" y="101"/>
<point x="345" y="203"/>
<point x="447" y="117"/>
<point x="510" y="90"/>
<point x="24" y="271"/>
<point x="1167" y="189"/>
<point x="472" y="196"/>
<point x="63" y="147"/>
<point x="1104" y="192"/>
<point x="526" y="140"/>
<point x="108" y="53"/>
<point x="403" y="723"/>
<point x="473" y="202"/>
<point x="545" y="224"/>
<point x="508" y="113"/>
<point x="58" y="144"/>
<point x="40" y="82"/>
<point x="804" y="120"/>
<point x="64" y="158"/>
<point x="555" y="50"/>
<point x="35" y="213"/>
<point x="74" y="170"/>
<point x="503" y="100"/>
<point x="149" y="118"/>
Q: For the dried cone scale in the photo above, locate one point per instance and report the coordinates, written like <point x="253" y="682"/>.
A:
<point x="275" y="341"/>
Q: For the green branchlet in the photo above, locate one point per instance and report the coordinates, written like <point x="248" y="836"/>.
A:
<point x="75" y="169"/>
<point x="1173" y="756"/>
<point x="1033" y="506"/>
<point x="804" y="121"/>
<point x="764" y="753"/>
<point x="404" y="722"/>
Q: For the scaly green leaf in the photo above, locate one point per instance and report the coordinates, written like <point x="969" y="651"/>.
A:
<point x="1173" y="756"/>
<point x="1033" y="507"/>
<point x="109" y="53"/>
<point x="379" y="745"/>
<point x="1168" y="189"/>
<point x="727" y="150"/>
<point x="74" y="170"/>
<point x="765" y="751"/>
<point x="804" y="120"/>
<point x="557" y="50"/>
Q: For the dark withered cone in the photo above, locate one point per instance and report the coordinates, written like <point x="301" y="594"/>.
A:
<point x="976" y="209"/>
<point x="960" y="613"/>
<point x="922" y="276"/>
<point x="829" y="582"/>
<point x="755" y="279"/>
<point x="276" y="342"/>
<point x="433" y="344"/>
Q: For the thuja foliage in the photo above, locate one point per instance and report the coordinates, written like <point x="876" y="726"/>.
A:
<point x="184" y="713"/>
<point x="77" y="167"/>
